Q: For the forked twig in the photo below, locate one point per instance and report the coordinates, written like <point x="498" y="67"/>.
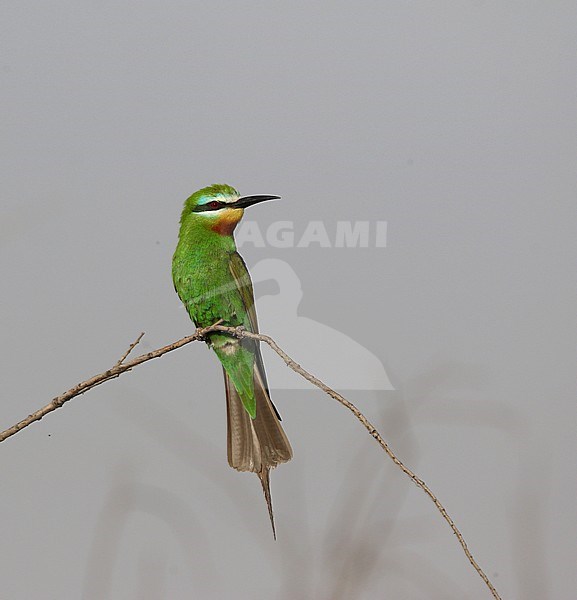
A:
<point x="119" y="368"/>
<point x="130" y="349"/>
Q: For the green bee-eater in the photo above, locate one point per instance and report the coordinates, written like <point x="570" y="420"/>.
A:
<point x="211" y="279"/>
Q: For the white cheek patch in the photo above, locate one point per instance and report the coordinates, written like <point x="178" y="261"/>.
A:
<point x="212" y="213"/>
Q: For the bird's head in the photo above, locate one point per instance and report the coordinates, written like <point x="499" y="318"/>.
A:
<point x="218" y="207"/>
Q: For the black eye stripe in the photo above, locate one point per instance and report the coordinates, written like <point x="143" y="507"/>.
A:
<point x="212" y="205"/>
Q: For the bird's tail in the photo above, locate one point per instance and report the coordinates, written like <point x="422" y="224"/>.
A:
<point x="258" y="444"/>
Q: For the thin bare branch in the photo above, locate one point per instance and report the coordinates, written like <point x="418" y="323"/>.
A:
<point x="239" y="332"/>
<point x="77" y="390"/>
<point x="130" y="349"/>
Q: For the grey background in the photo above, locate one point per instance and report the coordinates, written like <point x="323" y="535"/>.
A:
<point x="454" y="122"/>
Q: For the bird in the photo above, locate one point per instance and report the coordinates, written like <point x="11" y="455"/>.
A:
<point x="213" y="282"/>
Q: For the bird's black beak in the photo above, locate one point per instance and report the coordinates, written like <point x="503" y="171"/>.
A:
<point x="250" y="200"/>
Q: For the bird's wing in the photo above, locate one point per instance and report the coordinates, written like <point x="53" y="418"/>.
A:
<point x="244" y="284"/>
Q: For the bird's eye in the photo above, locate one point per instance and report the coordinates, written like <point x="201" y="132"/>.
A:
<point x="214" y="204"/>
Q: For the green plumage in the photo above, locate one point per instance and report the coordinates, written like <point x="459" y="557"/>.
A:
<point x="214" y="285"/>
<point x="205" y="282"/>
